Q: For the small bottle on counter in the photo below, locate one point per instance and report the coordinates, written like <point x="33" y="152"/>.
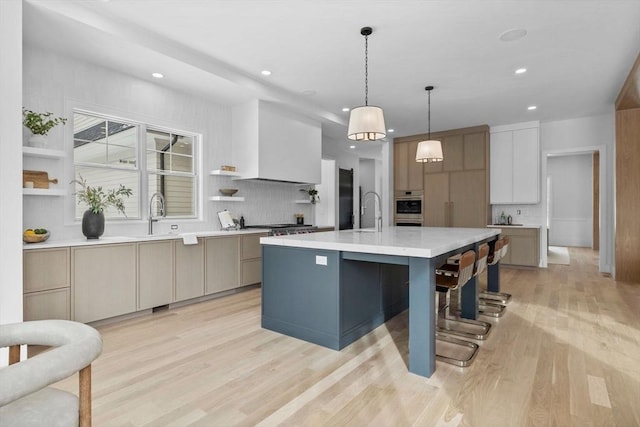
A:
<point x="503" y="219"/>
<point x="241" y="222"/>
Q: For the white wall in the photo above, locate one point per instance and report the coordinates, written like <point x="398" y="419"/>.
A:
<point x="325" y="209"/>
<point x="585" y="135"/>
<point x="70" y="83"/>
<point x="10" y="164"/>
<point x="576" y="136"/>
<point x="571" y="200"/>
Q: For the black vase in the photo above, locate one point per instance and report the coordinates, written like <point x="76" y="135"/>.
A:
<point x="92" y="224"/>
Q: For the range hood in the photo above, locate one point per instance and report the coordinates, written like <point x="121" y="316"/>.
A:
<point x="272" y="144"/>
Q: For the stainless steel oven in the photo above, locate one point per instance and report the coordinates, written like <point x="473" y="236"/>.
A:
<point x="408" y="208"/>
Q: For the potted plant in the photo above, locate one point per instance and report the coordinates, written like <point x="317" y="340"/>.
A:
<point x="40" y="124"/>
<point x="313" y="194"/>
<point x="97" y="200"/>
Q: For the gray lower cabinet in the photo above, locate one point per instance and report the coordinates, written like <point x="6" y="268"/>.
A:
<point x="221" y="259"/>
<point x="155" y="274"/>
<point x="524" y="246"/>
<point x="189" y="269"/>
<point x="250" y="259"/>
<point x="104" y="281"/>
<point x="89" y="283"/>
<point x="46" y="284"/>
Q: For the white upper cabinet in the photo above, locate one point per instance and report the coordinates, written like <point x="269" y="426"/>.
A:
<point x="515" y="164"/>
<point x="274" y="144"/>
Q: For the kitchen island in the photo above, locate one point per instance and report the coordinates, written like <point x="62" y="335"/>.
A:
<point x="334" y="287"/>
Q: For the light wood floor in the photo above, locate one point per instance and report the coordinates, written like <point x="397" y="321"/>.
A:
<point x="567" y="353"/>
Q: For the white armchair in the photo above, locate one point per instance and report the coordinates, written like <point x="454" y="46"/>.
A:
<point x="25" y="398"/>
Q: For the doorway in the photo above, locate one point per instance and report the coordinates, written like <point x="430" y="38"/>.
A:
<point x="574" y="203"/>
<point x="345" y="199"/>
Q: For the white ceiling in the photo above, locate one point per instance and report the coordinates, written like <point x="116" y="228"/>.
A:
<point x="577" y="52"/>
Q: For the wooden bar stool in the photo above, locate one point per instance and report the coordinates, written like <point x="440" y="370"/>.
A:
<point x="449" y="277"/>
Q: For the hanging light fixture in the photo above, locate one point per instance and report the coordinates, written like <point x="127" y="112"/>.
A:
<point x="366" y="123"/>
<point x="430" y="150"/>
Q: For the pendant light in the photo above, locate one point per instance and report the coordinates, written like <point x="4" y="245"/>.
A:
<point x="430" y="150"/>
<point x="366" y="123"/>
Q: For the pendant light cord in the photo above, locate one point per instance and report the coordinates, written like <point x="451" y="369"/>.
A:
<point x="429" y="114"/>
<point x="366" y="70"/>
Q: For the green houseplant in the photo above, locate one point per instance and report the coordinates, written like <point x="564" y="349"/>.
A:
<point x="97" y="200"/>
<point x="40" y="124"/>
<point x="313" y="194"/>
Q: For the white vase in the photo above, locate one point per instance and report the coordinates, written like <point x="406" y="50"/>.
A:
<point x="37" y="141"/>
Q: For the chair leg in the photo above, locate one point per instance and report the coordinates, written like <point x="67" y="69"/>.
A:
<point x="468" y="328"/>
<point x="85" y="397"/>
<point x="470" y="349"/>
<point x="501" y="297"/>
<point x="490" y="308"/>
<point x="14" y="354"/>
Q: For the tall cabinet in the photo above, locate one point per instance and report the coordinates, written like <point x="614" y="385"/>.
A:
<point x="515" y="164"/>
<point x="456" y="189"/>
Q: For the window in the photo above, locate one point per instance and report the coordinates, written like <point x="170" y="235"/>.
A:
<point x="170" y="171"/>
<point x="107" y="153"/>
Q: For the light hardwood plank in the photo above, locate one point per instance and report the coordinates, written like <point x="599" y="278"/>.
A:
<point x="565" y="353"/>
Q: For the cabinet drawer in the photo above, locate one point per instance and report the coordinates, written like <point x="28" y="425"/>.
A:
<point x="45" y="269"/>
<point x="250" y="246"/>
<point x="251" y="272"/>
<point x="47" y="305"/>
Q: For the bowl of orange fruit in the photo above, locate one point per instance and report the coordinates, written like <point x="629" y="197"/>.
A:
<point x="35" y="235"/>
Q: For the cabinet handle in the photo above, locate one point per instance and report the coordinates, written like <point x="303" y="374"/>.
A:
<point x="450" y="214"/>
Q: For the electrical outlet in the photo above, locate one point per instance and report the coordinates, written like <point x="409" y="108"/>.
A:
<point x="174" y="226"/>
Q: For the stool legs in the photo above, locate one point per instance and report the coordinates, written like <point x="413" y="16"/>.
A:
<point x="469" y="349"/>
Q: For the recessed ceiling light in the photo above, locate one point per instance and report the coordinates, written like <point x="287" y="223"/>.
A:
<point x="265" y="72"/>
<point x="391" y="130"/>
<point x="157" y="75"/>
<point x="345" y="109"/>
<point x="521" y="70"/>
<point x="513" y="34"/>
<point x="352" y="146"/>
<point x="531" y="107"/>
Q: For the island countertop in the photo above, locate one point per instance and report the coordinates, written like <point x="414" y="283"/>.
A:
<point x="422" y="242"/>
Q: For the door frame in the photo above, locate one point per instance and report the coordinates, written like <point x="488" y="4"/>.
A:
<point x="606" y="237"/>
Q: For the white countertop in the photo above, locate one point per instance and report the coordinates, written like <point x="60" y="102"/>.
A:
<point x="514" y="226"/>
<point x="106" y="240"/>
<point x="423" y="242"/>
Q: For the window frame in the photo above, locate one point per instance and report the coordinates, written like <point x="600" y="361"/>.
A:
<point x="141" y="168"/>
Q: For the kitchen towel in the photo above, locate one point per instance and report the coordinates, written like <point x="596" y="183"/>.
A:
<point x="189" y="239"/>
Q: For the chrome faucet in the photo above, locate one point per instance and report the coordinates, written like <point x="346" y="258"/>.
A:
<point x="159" y="199"/>
<point x="364" y="205"/>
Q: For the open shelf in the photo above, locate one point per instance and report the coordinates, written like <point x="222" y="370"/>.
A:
<point x="226" y="199"/>
<point x="44" y="153"/>
<point x="223" y="173"/>
<point x="43" y="192"/>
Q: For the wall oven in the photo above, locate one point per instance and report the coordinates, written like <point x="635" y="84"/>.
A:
<point x="408" y="208"/>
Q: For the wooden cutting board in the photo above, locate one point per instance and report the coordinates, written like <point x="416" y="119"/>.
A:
<point x="40" y="179"/>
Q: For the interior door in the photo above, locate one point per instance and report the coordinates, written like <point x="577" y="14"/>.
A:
<point x="345" y="199"/>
